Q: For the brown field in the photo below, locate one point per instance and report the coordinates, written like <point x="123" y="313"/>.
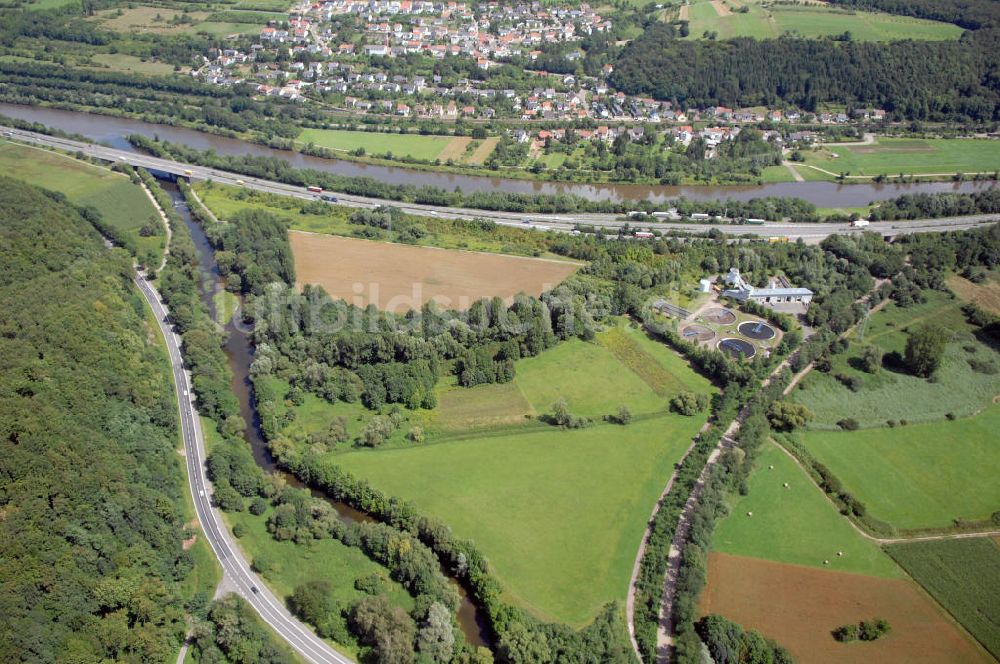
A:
<point x="484" y="150"/>
<point x="799" y="606"/>
<point x="683" y="13"/>
<point x="455" y="149"/>
<point x="986" y="295"/>
<point x="399" y="277"/>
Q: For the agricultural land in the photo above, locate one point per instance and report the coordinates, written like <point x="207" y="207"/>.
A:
<point x="400" y="277"/>
<point x="964" y="576"/>
<point x="892" y="156"/>
<point x="763" y="20"/>
<point x="121" y="204"/>
<point x="787" y="552"/>
<point x="559" y="511"/>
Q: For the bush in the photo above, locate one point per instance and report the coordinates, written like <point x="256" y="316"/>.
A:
<point x="239" y="530"/>
<point x="848" y="424"/>
<point x="689" y="403"/>
<point x="562" y="417"/>
<point x="785" y="415"/>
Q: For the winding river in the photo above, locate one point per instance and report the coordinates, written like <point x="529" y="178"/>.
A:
<point x="112" y="131"/>
<point x="239" y="354"/>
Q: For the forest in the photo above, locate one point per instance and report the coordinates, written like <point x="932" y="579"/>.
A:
<point x="93" y="516"/>
<point x="941" y="81"/>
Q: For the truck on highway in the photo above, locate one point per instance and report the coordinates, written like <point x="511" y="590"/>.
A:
<point x="314" y="189"/>
<point x="329" y="198"/>
<point x="643" y="235"/>
<point x="188" y="172"/>
<point x="860" y="223"/>
<point x="754" y="222"/>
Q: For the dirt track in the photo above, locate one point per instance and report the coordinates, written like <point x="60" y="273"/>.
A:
<point x="799" y="606"/>
<point x="397" y="277"/>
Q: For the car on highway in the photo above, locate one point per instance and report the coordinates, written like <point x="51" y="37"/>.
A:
<point x="255" y="590"/>
<point x="240" y="182"/>
<point x="188" y="172"/>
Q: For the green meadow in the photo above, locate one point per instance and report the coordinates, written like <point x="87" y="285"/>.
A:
<point x="891" y="394"/>
<point x="892" y="156"/>
<point x="377" y="143"/>
<point x="122" y="204"/>
<point x="769" y="21"/>
<point x="559" y="513"/>
<point x="918" y="476"/>
<point x="795" y="524"/>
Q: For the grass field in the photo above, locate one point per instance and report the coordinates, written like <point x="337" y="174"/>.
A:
<point x="396" y="277"/>
<point x="964" y="576"/>
<point x="893" y="395"/>
<point x="123" y="62"/>
<point x="986" y="294"/>
<point x="378" y="143"/>
<point x="799" y="606"/>
<point x="558" y="513"/>
<point x="764" y="22"/>
<point x="121" y="203"/>
<point x="892" y="156"/>
<point x="919" y="476"/>
<point x="444" y="233"/>
<point x="795" y="525"/>
<point x="326" y="559"/>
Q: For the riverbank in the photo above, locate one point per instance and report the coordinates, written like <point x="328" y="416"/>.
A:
<point x="112" y="130"/>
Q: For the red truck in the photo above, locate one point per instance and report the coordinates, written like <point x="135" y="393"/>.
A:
<point x="315" y="190"/>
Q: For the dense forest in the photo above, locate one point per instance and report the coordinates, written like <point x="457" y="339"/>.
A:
<point x="947" y="80"/>
<point x="90" y="539"/>
<point x="970" y="14"/>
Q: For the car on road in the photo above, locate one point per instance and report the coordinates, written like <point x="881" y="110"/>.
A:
<point x="188" y="172"/>
<point x="240" y="182"/>
<point x="255" y="590"/>
<point x="201" y="493"/>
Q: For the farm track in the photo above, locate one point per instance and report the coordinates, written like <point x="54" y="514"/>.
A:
<point x="166" y="225"/>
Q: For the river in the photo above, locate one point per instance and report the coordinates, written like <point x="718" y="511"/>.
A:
<point x="112" y="131"/>
<point x="239" y="355"/>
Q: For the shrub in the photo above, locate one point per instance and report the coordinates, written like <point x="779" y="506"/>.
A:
<point x="239" y="530"/>
<point x="689" y="403"/>
<point x="785" y="415"/>
<point x="848" y="424"/>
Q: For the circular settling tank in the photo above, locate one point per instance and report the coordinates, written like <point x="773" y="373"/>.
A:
<point x="737" y="348"/>
<point x="756" y="329"/>
<point x="697" y="333"/>
<point x="719" y="316"/>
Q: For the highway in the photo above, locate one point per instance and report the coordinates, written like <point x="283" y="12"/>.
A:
<point x="809" y="232"/>
<point x="234" y="564"/>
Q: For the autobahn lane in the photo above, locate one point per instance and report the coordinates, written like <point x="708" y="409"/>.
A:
<point x="234" y="564"/>
<point x="809" y="232"/>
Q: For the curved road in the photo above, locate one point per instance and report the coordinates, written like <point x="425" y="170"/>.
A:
<point x="234" y="564"/>
<point x="809" y="232"/>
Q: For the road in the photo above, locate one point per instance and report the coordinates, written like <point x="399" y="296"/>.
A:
<point x="809" y="232"/>
<point x="234" y="564"/>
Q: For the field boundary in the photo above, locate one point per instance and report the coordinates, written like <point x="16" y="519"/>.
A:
<point x="906" y="536"/>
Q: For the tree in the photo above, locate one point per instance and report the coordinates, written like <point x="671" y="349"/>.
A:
<point x="312" y="601"/>
<point x="436" y="638"/>
<point x="925" y="349"/>
<point x="689" y="403"/>
<point x="785" y="415"/>
<point x="388" y="629"/>
<point x="871" y="359"/>
<point x="519" y="645"/>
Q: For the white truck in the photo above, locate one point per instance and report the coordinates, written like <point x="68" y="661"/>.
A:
<point x="860" y="223"/>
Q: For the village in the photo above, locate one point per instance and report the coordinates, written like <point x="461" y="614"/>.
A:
<point x="304" y="59"/>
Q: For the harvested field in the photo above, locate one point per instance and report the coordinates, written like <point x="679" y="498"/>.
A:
<point x="986" y="294"/>
<point x="484" y="150"/>
<point x="397" y="277"/>
<point x="799" y="606"/>
<point x="455" y="149"/>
